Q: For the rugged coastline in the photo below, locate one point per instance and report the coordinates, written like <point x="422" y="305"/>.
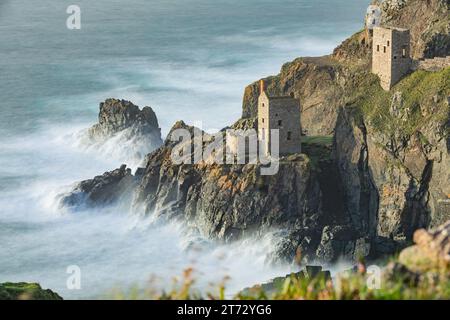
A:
<point x="388" y="162"/>
<point x="371" y="185"/>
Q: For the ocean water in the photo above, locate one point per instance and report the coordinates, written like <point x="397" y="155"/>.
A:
<point x="187" y="59"/>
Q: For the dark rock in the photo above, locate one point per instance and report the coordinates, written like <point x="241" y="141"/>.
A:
<point x="220" y="201"/>
<point x="101" y="190"/>
<point x="388" y="167"/>
<point x="228" y="201"/>
<point x="118" y="115"/>
<point x="296" y="246"/>
<point x="397" y="272"/>
<point x="312" y="271"/>
<point x="341" y="242"/>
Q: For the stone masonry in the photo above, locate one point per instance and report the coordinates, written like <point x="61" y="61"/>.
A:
<point x="435" y="64"/>
<point x="391" y="59"/>
<point x="282" y="113"/>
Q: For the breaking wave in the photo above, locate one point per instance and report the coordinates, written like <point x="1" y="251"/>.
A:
<point x="124" y="147"/>
<point x="187" y="71"/>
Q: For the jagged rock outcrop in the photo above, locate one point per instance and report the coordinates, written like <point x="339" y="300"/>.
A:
<point x="391" y="152"/>
<point x="102" y="190"/>
<point x="324" y="84"/>
<point x="220" y="201"/>
<point x="228" y="201"/>
<point x="388" y="169"/>
<point x="393" y="157"/>
<point x="119" y="115"/>
<point x="342" y="242"/>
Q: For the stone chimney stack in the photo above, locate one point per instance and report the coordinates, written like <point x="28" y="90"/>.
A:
<point x="261" y="86"/>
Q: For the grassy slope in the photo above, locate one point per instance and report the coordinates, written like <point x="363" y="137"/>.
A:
<point x="417" y="89"/>
<point x="25" y="291"/>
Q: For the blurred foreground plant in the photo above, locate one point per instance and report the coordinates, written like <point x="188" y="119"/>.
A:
<point x="350" y="285"/>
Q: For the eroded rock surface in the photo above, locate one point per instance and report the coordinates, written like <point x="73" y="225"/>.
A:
<point x="389" y="168"/>
<point x="219" y="201"/>
<point x="229" y="201"/>
<point x="118" y="115"/>
<point x="102" y="190"/>
<point x="124" y="132"/>
<point x="323" y="84"/>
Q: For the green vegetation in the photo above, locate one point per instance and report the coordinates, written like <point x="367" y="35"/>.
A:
<point x="25" y="291"/>
<point x="318" y="149"/>
<point x="410" y="110"/>
<point x="354" y="51"/>
<point x="317" y="140"/>
<point x="354" y="286"/>
<point x="350" y="285"/>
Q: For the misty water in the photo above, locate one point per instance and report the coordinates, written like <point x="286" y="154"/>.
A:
<point x="187" y="59"/>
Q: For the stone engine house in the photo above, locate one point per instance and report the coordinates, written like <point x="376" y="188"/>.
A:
<point x="282" y="113"/>
<point x="391" y="59"/>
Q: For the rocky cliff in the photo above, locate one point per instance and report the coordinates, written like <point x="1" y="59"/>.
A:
<point x="324" y="83"/>
<point x="219" y="201"/>
<point x="385" y="175"/>
<point x="392" y="152"/>
<point x="428" y="21"/>
<point x="229" y="201"/>
<point x="390" y="148"/>
<point x="103" y="190"/>
<point x="118" y="115"/>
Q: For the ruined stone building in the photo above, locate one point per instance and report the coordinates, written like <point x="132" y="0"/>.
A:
<point x="282" y="113"/>
<point x="391" y="59"/>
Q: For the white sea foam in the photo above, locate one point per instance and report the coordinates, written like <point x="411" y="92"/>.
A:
<point x="112" y="246"/>
<point x="124" y="147"/>
<point x="185" y="66"/>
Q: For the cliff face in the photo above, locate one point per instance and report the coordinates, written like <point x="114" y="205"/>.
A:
<point x="320" y="83"/>
<point x="428" y="21"/>
<point x="391" y="149"/>
<point x="387" y="175"/>
<point x="219" y="201"/>
<point x="228" y="201"/>
<point x="324" y="83"/>
<point x="393" y="156"/>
